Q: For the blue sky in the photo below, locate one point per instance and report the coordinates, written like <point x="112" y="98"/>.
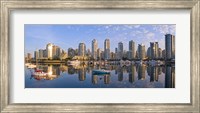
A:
<point x="66" y="36"/>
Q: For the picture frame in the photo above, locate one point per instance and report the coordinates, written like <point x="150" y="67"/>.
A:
<point x="8" y="6"/>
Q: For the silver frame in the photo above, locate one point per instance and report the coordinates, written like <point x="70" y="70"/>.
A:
<point x="9" y="5"/>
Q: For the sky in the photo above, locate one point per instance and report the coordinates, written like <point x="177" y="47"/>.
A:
<point x="66" y="36"/>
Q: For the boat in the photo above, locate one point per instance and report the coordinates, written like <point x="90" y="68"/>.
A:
<point x="31" y="66"/>
<point x="102" y="71"/>
<point x="74" y="62"/>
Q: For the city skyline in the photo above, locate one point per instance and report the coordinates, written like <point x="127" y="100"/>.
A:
<point x="37" y="36"/>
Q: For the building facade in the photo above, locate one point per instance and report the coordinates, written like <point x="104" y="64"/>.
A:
<point x="82" y="49"/>
<point x="120" y="50"/>
<point x="131" y="52"/>
<point x="141" y="51"/>
<point x="107" y="49"/>
<point x="94" y="49"/>
<point x="154" y="50"/>
<point x="169" y="46"/>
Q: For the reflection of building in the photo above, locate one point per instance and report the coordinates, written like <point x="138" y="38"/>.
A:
<point x="131" y="71"/>
<point x="131" y="50"/>
<point x="120" y="74"/>
<point x="169" y="77"/>
<point x="106" y="79"/>
<point x="141" y="51"/>
<point x="94" y="48"/>
<point x="120" y="50"/>
<point x="141" y="72"/>
<point x="82" y="49"/>
<point x="169" y="46"/>
<point x="107" y="49"/>
<point x="94" y="79"/>
<point x="82" y="74"/>
<point x="153" y="72"/>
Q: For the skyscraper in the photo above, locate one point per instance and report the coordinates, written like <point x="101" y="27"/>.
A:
<point x="120" y="50"/>
<point x="49" y="49"/>
<point x="141" y="51"/>
<point x="99" y="53"/>
<point x="82" y="49"/>
<point x="154" y="50"/>
<point x="71" y="52"/>
<point x="40" y="54"/>
<point x="29" y="56"/>
<point x="36" y="55"/>
<point x="94" y="48"/>
<point x="169" y="46"/>
<point x="131" y="52"/>
<point x="107" y="49"/>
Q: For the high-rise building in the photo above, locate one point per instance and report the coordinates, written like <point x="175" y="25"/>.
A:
<point x="163" y="53"/>
<point x="159" y="52"/>
<point x="44" y="53"/>
<point x="29" y="56"/>
<point x="149" y="52"/>
<point x="49" y="49"/>
<point x="36" y="55"/>
<point x="131" y="52"/>
<point x="82" y="49"/>
<point x="99" y="53"/>
<point x="41" y="54"/>
<point x="169" y="46"/>
<point x="94" y="48"/>
<point x="154" y="50"/>
<point x="141" y="51"/>
<point x="107" y="49"/>
<point x="120" y="50"/>
<point x="71" y="52"/>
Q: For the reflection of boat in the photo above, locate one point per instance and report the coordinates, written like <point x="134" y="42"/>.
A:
<point x="74" y="62"/>
<point x="39" y="73"/>
<point x="100" y="71"/>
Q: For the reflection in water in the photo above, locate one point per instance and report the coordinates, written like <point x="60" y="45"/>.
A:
<point x="132" y="76"/>
<point x="169" y="77"/>
<point x="141" y="72"/>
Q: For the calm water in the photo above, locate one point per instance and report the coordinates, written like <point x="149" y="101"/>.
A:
<point x="134" y="76"/>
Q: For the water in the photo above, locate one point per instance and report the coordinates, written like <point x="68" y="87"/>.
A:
<point x="133" y="76"/>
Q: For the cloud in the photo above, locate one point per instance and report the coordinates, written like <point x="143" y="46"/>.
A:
<point x="136" y="26"/>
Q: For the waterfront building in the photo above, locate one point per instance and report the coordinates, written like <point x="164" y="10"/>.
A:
<point x="141" y="51"/>
<point x="99" y="52"/>
<point x="82" y="49"/>
<point x="44" y="53"/>
<point x="49" y="49"/>
<point x="149" y="52"/>
<point x="107" y="49"/>
<point x="94" y="49"/>
<point x="154" y="50"/>
<point x="163" y="53"/>
<point x="29" y="56"/>
<point x="120" y="50"/>
<point x="88" y="53"/>
<point x="41" y="54"/>
<point x="169" y="47"/>
<point x="159" y="53"/>
<point x="132" y="53"/>
<point x="71" y="52"/>
<point x="36" y="55"/>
